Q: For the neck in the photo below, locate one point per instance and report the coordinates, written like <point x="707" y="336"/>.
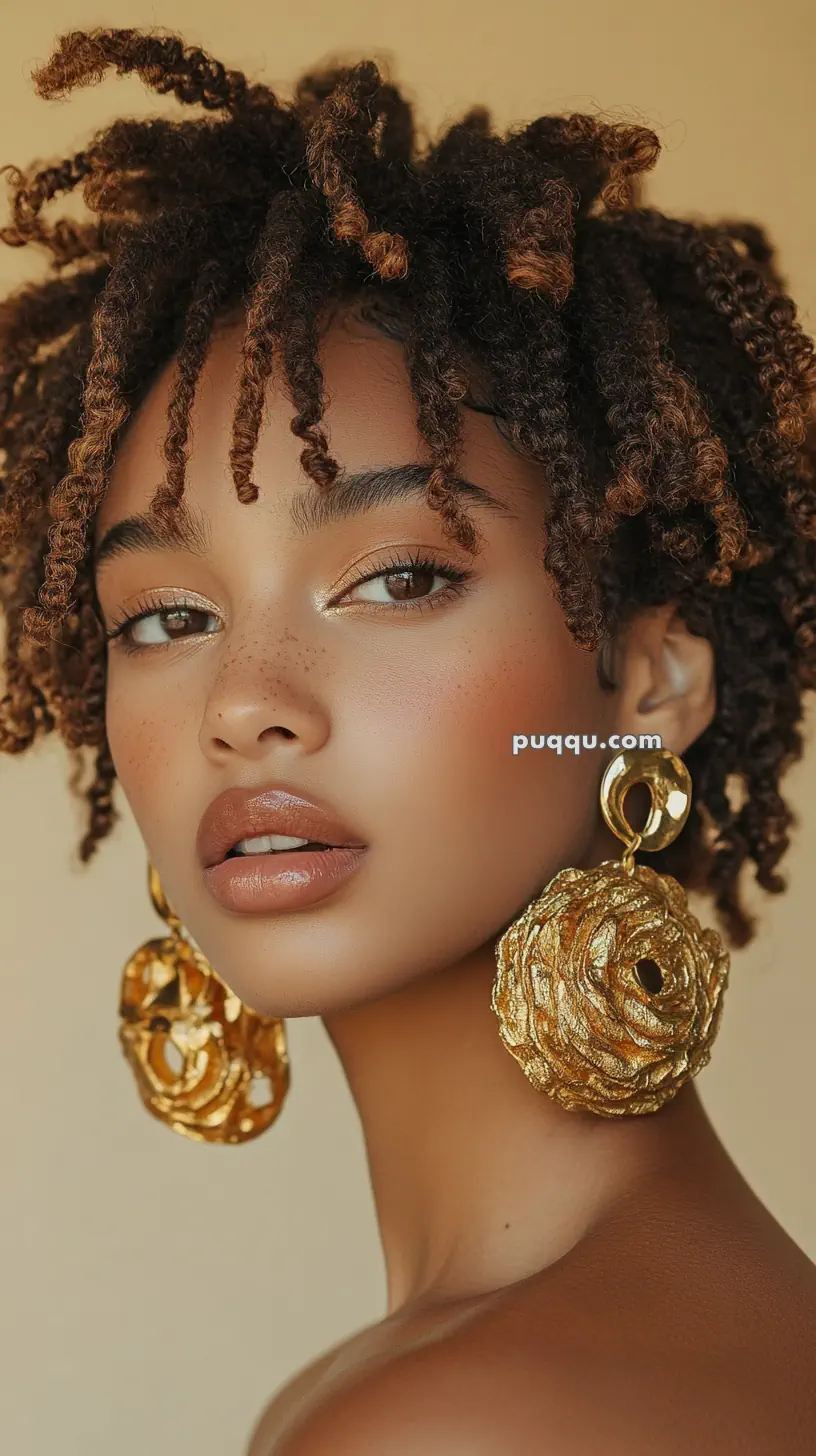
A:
<point x="479" y="1180"/>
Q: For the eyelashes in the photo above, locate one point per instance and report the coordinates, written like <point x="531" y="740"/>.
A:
<point x="406" y="568"/>
<point x="413" y="566"/>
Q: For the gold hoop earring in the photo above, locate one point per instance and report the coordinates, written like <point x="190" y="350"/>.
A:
<point x="231" y="1071"/>
<point x="608" y="991"/>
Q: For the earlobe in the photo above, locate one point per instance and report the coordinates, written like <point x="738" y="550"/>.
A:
<point x="666" y="679"/>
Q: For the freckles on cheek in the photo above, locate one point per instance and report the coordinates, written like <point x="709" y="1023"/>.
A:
<point x="138" y="745"/>
<point x="527" y="685"/>
<point x="461" y="707"/>
<point x="534" y="685"/>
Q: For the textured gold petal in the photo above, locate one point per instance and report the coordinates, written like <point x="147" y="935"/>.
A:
<point x="572" y="1009"/>
<point x="172" y="1001"/>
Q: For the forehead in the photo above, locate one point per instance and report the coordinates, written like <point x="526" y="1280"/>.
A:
<point x="369" y="418"/>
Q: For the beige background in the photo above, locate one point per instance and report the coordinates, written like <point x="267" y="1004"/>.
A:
<point x="155" y="1291"/>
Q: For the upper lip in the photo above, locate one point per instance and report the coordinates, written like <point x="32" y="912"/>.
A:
<point x="243" y="813"/>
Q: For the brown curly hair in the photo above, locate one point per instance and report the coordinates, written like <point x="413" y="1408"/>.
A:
<point x="654" y="367"/>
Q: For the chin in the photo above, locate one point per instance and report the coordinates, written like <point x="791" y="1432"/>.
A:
<point x="288" y="970"/>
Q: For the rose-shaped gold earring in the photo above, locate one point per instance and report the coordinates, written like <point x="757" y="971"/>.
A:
<point x="608" y="991"/>
<point x="205" y="1064"/>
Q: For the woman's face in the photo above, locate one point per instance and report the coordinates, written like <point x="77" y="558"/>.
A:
<point x="396" y="709"/>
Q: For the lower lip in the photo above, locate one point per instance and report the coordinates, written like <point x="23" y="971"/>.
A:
<point x="253" y="884"/>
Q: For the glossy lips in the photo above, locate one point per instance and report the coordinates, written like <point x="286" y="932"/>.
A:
<point x="287" y="880"/>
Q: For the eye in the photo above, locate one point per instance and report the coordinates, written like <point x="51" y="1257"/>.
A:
<point x="159" y="625"/>
<point x="173" y="621"/>
<point x="390" y="586"/>
<point x="408" y="583"/>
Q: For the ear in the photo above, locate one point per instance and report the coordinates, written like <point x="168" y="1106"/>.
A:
<point x="665" y="681"/>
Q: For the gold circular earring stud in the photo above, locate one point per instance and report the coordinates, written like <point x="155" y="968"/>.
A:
<point x="608" y="991"/>
<point x="205" y="1064"/>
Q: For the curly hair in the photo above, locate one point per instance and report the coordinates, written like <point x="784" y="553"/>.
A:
<point x="653" y="366"/>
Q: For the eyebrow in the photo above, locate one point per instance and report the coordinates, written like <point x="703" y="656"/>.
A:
<point x="350" y="495"/>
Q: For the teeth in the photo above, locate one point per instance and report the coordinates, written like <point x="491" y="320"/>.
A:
<point x="266" y="842"/>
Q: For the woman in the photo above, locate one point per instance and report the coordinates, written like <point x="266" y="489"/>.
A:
<point x="531" y="471"/>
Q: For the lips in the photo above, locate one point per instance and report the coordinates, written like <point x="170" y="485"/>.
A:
<point x="241" y="813"/>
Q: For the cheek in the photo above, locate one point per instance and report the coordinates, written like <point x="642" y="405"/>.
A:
<point x="438" y="772"/>
<point x="139" y="732"/>
<point x="469" y="694"/>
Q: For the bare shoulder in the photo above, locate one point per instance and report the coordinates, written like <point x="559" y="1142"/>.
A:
<point x="438" y="1405"/>
<point x="680" y="1329"/>
<point x="428" y="1403"/>
<point x="442" y="1405"/>
<point x="532" y="1379"/>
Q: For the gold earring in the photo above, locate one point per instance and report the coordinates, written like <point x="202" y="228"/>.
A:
<point x="608" y="991"/>
<point x="229" y="1070"/>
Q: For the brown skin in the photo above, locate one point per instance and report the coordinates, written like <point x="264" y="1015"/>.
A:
<point x="513" y="1231"/>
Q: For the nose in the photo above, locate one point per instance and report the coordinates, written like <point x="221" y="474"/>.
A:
<point x="257" y="710"/>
